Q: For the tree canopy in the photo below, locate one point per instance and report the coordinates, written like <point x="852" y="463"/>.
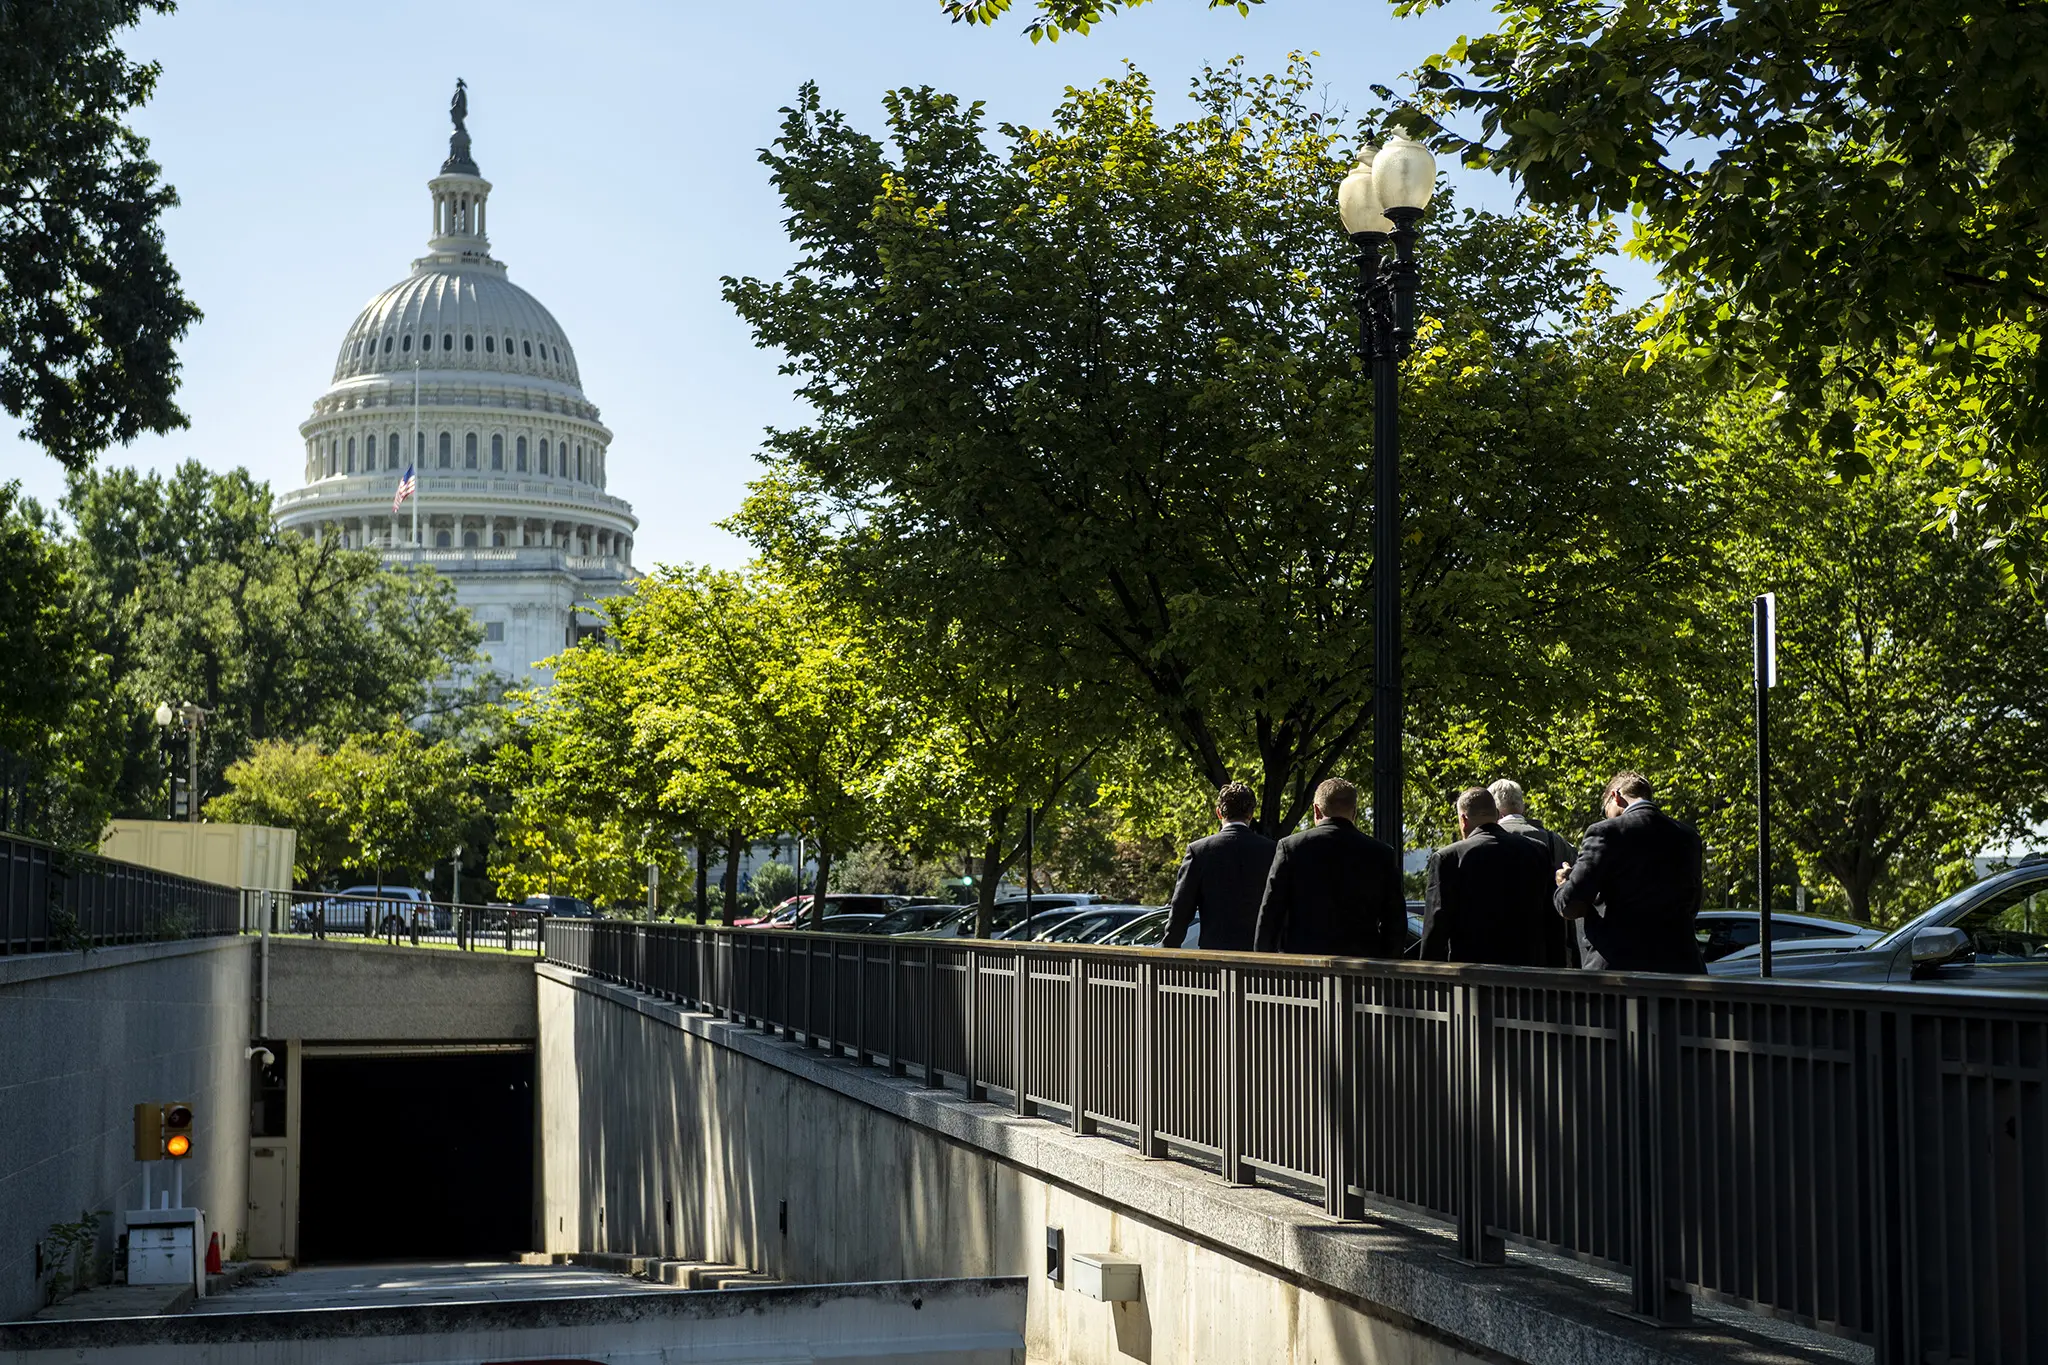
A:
<point x="1051" y="18"/>
<point x="90" y="307"/>
<point x="1827" y="188"/>
<point x="282" y="636"/>
<point x="1092" y="392"/>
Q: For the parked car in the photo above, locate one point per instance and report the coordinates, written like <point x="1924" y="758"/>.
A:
<point x="915" y="917"/>
<point x="564" y="907"/>
<point x="1091" y="924"/>
<point x="780" y="915"/>
<point x="390" y="907"/>
<point x="1149" y="931"/>
<point x="1723" y="933"/>
<point x="1989" y="936"/>
<point x="1145" y="931"/>
<point x="1008" y="913"/>
<point x="842" y="924"/>
<point x="1790" y="947"/>
<point x="797" y="909"/>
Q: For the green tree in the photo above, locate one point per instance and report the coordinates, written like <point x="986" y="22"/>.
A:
<point x="405" y="800"/>
<point x="280" y="635"/>
<point x="1051" y="18"/>
<point x="90" y="308"/>
<point x="54" y="772"/>
<point x="1091" y="390"/>
<point x="1910" y="727"/>
<point x="1828" y="188"/>
<point x="585" y="809"/>
<point x="774" y="883"/>
<point x="387" y="805"/>
<point x="291" y="785"/>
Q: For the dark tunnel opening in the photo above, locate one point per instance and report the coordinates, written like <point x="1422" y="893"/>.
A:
<point x="416" y="1158"/>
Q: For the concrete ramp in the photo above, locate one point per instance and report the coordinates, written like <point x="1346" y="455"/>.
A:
<point x="931" y="1322"/>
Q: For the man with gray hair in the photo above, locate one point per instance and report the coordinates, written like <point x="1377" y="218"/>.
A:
<point x="1489" y="895"/>
<point x="1509" y="799"/>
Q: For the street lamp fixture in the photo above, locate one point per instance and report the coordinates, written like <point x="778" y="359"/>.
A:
<point x="1379" y="202"/>
<point x="191" y="716"/>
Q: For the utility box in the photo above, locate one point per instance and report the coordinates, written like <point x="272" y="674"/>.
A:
<point x="167" y="1246"/>
<point x="256" y="856"/>
<point x="1099" y="1275"/>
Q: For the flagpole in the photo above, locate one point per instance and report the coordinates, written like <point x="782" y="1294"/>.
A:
<point x="413" y="455"/>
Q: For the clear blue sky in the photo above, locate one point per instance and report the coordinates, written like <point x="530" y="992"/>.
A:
<point x="620" y="140"/>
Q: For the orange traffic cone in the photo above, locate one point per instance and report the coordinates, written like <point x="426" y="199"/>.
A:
<point x="213" y="1254"/>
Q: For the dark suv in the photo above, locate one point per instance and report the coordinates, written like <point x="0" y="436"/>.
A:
<point x="566" y="907"/>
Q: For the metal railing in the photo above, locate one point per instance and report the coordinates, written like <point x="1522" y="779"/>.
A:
<point x="52" y="900"/>
<point x="395" y="919"/>
<point x="1869" y="1162"/>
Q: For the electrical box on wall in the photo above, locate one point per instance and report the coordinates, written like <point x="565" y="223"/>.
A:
<point x="1099" y="1275"/>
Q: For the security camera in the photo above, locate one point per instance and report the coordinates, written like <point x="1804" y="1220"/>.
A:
<point x="262" y="1052"/>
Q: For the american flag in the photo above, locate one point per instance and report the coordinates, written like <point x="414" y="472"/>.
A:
<point x="407" y="486"/>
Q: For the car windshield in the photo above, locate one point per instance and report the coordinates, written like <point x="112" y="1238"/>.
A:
<point x="1981" y="905"/>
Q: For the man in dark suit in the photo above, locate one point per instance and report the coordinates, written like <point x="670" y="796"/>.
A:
<point x="1334" y="890"/>
<point x="1513" y="804"/>
<point x="1221" y="878"/>
<point x="1489" y="895"/>
<point x="1637" y="883"/>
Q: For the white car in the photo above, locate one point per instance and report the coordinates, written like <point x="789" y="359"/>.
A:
<point x="390" y="906"/>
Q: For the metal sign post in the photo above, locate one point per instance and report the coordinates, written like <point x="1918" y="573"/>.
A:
<point x="1765" y="628"/>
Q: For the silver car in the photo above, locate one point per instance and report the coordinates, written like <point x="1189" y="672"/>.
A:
<point x="1990" y="936"/>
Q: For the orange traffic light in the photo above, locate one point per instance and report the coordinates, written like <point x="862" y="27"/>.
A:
<point x="178" y="1130"/>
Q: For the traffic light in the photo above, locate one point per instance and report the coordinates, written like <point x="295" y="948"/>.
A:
<point x="178" y="1130"/>
<point x="149" y="1132"/>
<point x="163" y="1131"/>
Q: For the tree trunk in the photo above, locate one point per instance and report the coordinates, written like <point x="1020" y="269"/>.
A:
<point x="824" y="881"/>
<point x="1858" y="887"/>
<point x="703" y="877"/>
<point x="985" y="887"/>
<point x="729" y="883"/>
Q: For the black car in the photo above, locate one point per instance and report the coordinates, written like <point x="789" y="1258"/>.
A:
<point x="915" y="917"/>
<point x="1990" y="936"/>
<point x="562" y="907"/>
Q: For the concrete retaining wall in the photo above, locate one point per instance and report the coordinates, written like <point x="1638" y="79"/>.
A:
<point x="349" y="990"/>
<point x="83" y="1038"/>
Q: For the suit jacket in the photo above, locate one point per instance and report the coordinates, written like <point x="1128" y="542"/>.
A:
<point x="1489" y="901"/>
<point x="1334" y="891"/>
<point x="1221" y="879"/>
<point x="1638" y="883"/>
<point x="1558" y="851"/>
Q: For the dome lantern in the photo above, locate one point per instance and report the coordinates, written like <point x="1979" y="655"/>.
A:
<point x="460" y="193"/>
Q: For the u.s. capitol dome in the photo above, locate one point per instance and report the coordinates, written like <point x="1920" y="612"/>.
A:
<point x="464" y="378"/>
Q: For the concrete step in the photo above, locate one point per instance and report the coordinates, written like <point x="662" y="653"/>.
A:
<point x="708" y="1276"/>
<point x="742" y="1281"/>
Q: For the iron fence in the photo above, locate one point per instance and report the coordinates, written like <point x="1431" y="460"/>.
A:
<point x="396" y="918"/>
<point x="1869" y="1162"/>
<point x="52" y="899"/>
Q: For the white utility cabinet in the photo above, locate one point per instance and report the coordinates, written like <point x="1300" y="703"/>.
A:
<point x="167" y="1246"/>
<point x="1099" y="1275"/>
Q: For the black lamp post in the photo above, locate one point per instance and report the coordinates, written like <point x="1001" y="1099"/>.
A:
<point x="1380" y="201"/>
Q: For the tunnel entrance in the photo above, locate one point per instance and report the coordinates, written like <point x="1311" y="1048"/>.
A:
<point x="416" y="1157"/>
